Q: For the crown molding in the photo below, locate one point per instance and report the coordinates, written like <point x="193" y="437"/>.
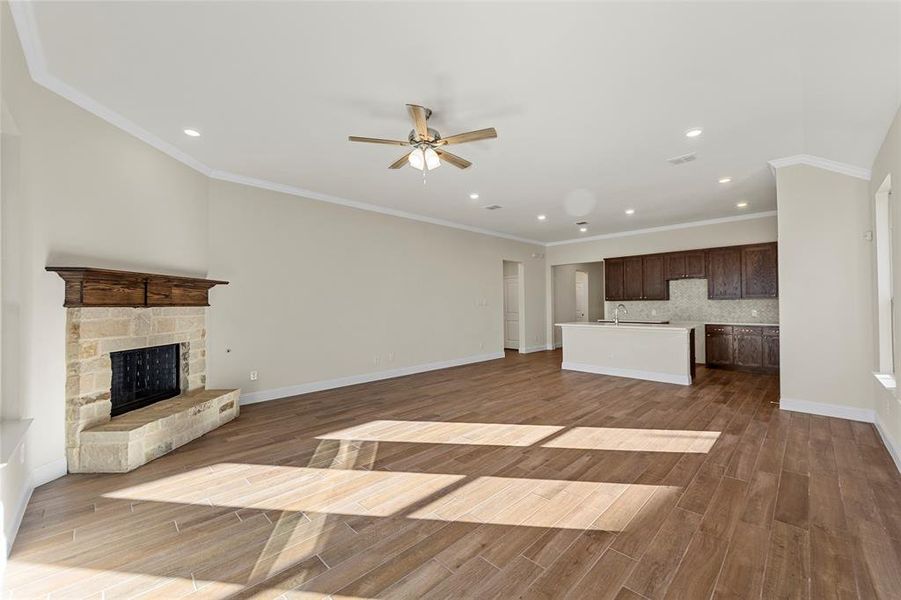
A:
<point x="311" y="195"/>
<point x="619" y="234"/>
<point x="821" y="163"/>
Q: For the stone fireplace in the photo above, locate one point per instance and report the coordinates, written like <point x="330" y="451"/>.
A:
<point x="160" y="405"/>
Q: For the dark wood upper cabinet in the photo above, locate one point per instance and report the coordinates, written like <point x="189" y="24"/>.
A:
<point x="613" y="279"/>
<point x="633" y="277"/>
<point x="675" y="265"/>
<point x="732" y="272"/>
<point x="686" y="265"/>
<point x="760" y="277"/>
<point x="724" y="273"/>
<point x="695" y="265"/>
<point x="654" y="283"/>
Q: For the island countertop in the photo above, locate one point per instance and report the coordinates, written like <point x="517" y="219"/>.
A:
<point x="677" y="325"/>
<point x="653" y="351"/>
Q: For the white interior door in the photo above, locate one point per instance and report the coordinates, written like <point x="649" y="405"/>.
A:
<point x="511" y="313"/>
<point x="581" y="296"/>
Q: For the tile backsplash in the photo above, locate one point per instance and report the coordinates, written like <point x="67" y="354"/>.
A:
<point x="688" y="302"/>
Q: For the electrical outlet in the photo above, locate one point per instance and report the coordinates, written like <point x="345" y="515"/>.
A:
<point x="254" y="375"/>
<point x="753" y="312"/>
<point x="376" y="359"/>
<point x="391" y="357"/>
<point x="653" y="312"/>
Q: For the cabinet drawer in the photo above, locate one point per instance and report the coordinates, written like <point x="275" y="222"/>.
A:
<point x="744" y="330"/>
<point x="719" y="329"/>
<point x="771" y="331"/>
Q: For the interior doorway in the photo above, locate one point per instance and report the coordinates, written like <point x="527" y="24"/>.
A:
<point x="578" y="294"/>
<point x="512" y="305"/>
<point x="581" y="296"/>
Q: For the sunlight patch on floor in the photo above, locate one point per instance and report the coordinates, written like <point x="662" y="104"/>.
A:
<point x="634" y="440"/>
<point x="444" y="432"/>
<point x="433" y="496"/>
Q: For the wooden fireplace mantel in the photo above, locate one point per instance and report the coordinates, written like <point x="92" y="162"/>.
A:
<point x="87" y="286"/>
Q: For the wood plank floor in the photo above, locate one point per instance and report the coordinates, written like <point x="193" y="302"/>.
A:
<point x="506" y="479"/>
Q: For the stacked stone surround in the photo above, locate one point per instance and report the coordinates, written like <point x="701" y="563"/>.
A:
<point x="91" y="335"/>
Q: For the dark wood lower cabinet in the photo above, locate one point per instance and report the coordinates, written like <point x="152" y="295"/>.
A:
<point x="771" y="348"/>
<point x="719" y="345"/>
<point x="748" y="344"/>
<point x="740" y="347"/>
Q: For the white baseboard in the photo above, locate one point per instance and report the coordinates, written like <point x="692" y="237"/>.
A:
<point x="49" y="471"/>
<point x="17" y="521"/>
<point x="532" y="349"/>
<point x="863" y="415"/>
<point x="893" y="449"/>
<point x="828" y="410"/>
<point x="38" y="477"/>
<point x="328" y="384"/>
<point x="631" y="373"/>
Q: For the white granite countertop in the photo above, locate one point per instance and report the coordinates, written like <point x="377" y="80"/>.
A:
<point x="744" y="324"/>
<point x="683" y="325"/>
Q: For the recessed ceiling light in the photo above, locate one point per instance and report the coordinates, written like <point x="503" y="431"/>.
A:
<point x="630" y="211"/>
<point x="694" y="132"/>
<point x="473" y="196"/>
<point x="741" y="204"/>
<point x="725" y="179"/>
<point x="192" y="132"/>
<point x="583" y="229"/>
<point x="542" y="217"/>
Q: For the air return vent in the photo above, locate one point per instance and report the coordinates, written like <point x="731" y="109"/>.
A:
<point x="678" y="160"/>
<point x="492" y="207"/>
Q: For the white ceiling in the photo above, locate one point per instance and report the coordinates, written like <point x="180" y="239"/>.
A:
<point x="590" y="98"/>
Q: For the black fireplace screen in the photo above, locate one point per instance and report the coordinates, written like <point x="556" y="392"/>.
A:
<point x="144" y="376"/>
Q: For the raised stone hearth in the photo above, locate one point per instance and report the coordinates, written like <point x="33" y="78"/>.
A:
<point x="130" y="440"/>
<point x="95" y="443"/>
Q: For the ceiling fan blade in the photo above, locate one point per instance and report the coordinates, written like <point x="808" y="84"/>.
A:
<point x="470" y="136"/>
<point x="369" y="140"/>
<point x="400" y="162"/>
<point x="460" y="163"/>
<point x="419" y="116"/>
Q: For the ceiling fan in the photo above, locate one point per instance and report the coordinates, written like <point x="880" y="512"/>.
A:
<point x="428" y="145"/>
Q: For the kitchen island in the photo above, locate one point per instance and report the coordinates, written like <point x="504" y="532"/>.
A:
<point x="664" y="352"/>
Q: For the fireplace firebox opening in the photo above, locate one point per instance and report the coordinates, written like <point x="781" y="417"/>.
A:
<point x="143" y="376"/>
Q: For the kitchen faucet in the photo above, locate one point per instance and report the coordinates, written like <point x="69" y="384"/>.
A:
<point x="619" y="307"/>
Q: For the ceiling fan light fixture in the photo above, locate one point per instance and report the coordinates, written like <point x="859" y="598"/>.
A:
<point x="416" y="159"/>
<point x="431" y="159"/>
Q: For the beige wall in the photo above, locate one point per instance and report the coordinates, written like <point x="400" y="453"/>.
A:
<point x="322" y="292"/>
<point x="825" y="297"/>
<point x="564" y="280"/>
<point x="888" y="162"/>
